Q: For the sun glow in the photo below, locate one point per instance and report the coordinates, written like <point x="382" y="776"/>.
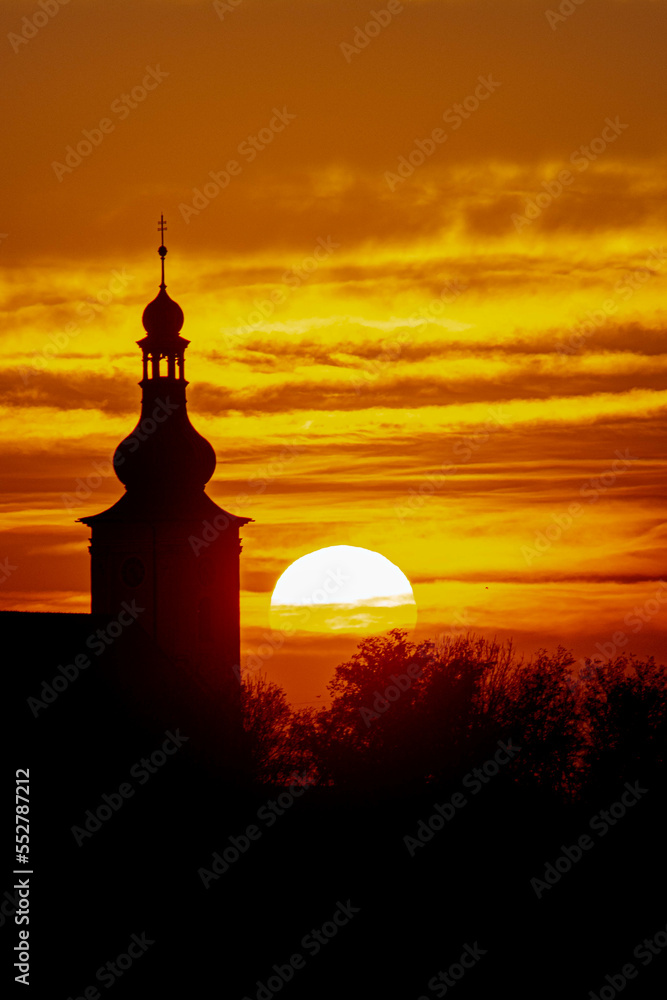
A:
<point x="342" y="588"/>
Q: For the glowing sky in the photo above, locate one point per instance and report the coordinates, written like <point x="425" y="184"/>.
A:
<point x="425" y="296"/>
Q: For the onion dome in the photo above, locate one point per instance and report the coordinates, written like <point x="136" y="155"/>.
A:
<point x="162" y="318"/>
<point x="164" y="451"/>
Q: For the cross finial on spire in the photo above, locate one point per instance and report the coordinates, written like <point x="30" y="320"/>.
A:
<point x="162" y="250"/>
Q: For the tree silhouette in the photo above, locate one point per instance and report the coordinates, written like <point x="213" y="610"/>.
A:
<point x="275" y="734"/>
<point x="364" y="736"/>
<point x="533" y="702"/>
<point x="623" y="705"/>
<point x="405" y="716"/>
<point x="467" y="693"/>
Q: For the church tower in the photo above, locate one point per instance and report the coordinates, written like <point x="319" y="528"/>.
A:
<point x="165" y="544"/>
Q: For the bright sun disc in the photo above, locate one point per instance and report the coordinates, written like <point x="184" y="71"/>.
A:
<point x="342" y="588"/>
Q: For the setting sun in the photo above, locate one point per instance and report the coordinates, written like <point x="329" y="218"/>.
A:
<point x="342" y="588"/>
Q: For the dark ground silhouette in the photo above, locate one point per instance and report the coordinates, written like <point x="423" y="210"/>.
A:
<point x="417" y="717"/>
<point x="412" y="832"/>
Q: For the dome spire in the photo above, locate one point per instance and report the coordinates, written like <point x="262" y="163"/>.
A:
<point x="162" y="318"/>
<point x="162" y="250"/>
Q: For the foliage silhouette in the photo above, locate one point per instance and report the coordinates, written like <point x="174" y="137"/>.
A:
<point x="623" y="711"/>
<point x="407" y="716"/>
<point x="275" y="735"/>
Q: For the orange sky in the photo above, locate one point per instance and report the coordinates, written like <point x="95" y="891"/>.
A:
<point x="496" y="311"/>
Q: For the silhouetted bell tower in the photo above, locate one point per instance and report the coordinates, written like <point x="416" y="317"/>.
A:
<point x="165" y="544"/>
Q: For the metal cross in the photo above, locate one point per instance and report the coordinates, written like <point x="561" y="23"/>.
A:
<point x="161" y="227"/>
